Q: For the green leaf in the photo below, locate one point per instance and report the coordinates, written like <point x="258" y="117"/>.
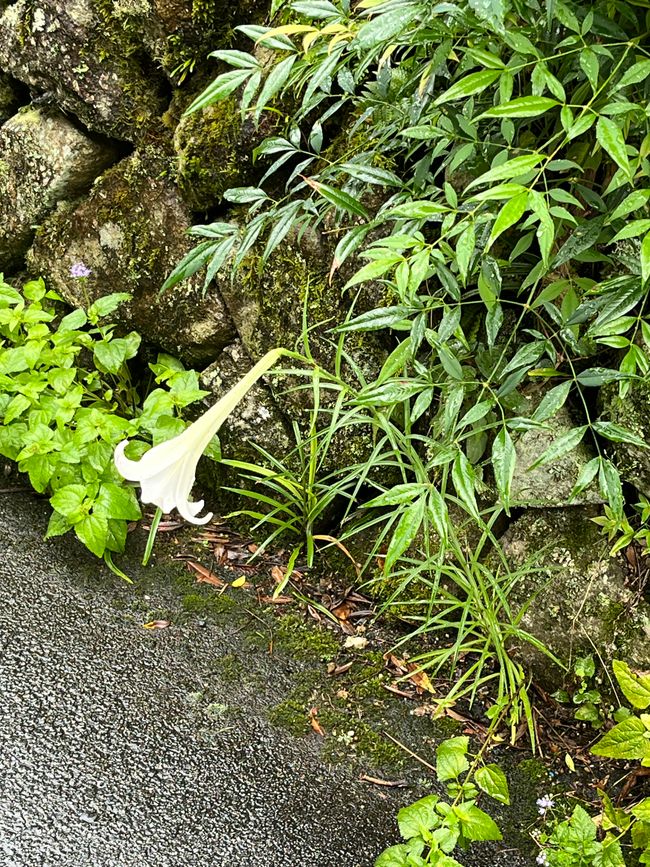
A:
<point x="510" y="213"/>
<point x="645" y="259"/>
<point x="463" y="477"/>
<point x="68" y="500"/>
<point x="590" y="67"/>
<point x="220" y="89"/>
<point x="618" y="434"/>
<point x="504" y="459"/>
<point x="72" y="322"/>
<point x="561" y="446"/>
<point x="475" y="824"/>
<point x="491" y="780"/>
<point x="471" y="84"/>
<point x="492" y="11"/>
<point x="464" y="250"/>
<point x="275" y="81"/>
<point x="93" y="532"/>
<point x="552" y="401"/>
<point x="396" y="856"/>
<point x="405" y="532"/>
<point x="342" y="200"/>
<point x="508" y="170"/>
<point x="610" y="138"/>
<point x="634" y="684"/>
<point x="418" y="818"/>
<point x="116" y="501"/>
<point x="627" y="740"/>
<point x="381" y="317"/>
<point x="386" y="26"/>
<point x="57" y="525"/>
<point x="107" y="304"/>
<point x="636" y="73"/>
<point x="523" y="106"/>
<point x="396" y="495"/>
<point x="451" y="758"/>
<point x="417" y="209"/>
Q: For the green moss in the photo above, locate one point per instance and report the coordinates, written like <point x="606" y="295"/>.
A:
<point x="350" y="738"/>
<point x="305" y="641"/>
<point x="230" y="667"/>
<point x="292" y="716"/>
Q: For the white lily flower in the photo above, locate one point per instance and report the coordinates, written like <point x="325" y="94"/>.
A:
<point x="166" y="472"/>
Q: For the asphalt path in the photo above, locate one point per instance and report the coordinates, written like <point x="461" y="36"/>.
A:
<point x="110" y="756"/>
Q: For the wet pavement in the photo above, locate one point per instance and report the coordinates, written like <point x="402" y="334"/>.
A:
<point x="105" y="758"/>
<point x="125" y="747"/>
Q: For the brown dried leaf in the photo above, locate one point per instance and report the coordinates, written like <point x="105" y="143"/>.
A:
<point x="156" y="624"/>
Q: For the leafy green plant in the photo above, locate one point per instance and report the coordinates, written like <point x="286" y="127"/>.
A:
<point x="433" y="827"/>
<point x="67" y="399"/>
<point x="586" y="697"/>
<point x="629" y="738"/>
<point x="623" y="530"/>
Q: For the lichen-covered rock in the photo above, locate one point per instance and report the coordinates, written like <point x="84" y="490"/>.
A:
<point x="80" y="52"/>
<point x="579" y="598"/>
<point x="214" y="150"/>
<point x="631" y="412"/>
<point x="10" y="96"/>
<point x="131" y="231"/>
<point x="550" y="484"/>
<point x="44" y="159"/>
<point x="178" y="33"/>
<point x="256" y="419"/>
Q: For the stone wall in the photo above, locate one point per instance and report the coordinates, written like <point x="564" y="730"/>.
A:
<point x="98" y="165"/>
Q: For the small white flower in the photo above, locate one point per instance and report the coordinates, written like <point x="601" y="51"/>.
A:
<point x="542" y="859"/>
<point x="544" y="803"/>
<point x="166" y="472"/>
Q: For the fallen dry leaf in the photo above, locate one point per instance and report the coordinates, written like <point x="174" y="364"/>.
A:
<point x="377" y="781"/>
<point x="276" y="600"/>
<point x="204" y="575"/>
<point x="156" y="624"/>
<point x="313" y="719"/>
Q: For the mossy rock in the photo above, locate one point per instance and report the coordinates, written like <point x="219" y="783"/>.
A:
<point x="179" y="34"/>
<point x="575" y="596"/>
<point x="214" y="151"/>
<point x="550" y="484"/>
<point x="267" y="300"/>
<point x="631" y="412"/>
<point x="131" y="231"/>
<point x="12" y="96"/>
<point x="44" y="159"/>
<point x="79" y="52"/>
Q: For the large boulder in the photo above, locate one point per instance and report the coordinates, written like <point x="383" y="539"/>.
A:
<point x="631" y="412"/>
<point x="79" y="51"/>
<point x="44" y="159"/>
<point x="130" y="232"/>
<point x="549" y="484"/>
<point x="256" y="419"/>
<point x="575" y="596"/>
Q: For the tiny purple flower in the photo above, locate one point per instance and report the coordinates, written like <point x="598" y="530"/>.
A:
<point x="542" y="859"/>
<point x="80" y="270"/>
<point x="544" y="803"/>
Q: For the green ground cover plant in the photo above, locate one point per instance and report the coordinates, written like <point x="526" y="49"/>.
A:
<point x="67" y="398"/>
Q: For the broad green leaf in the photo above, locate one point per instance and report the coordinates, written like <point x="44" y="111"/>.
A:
<point x="616" y="433"/>
<point x="451" y="758"/>
<point x="475" y="824"/>
<point x="508" y="170"/>
<point x="633" y="202"/>
<point x="93" y="532"/>
<point x="419" y="209"/>
<point x="627" y="740"/>
<point x="632" y="230"/>
<point x="381" y="317"/>
<point x="220" y="89"/>
<point x="473" y="83"/>
<point x="636" y="73"/>
<point x="438" y="512"/>
<point x="464" y="250"/>
<point x="552" y="401"/>
<point x="491" y="780"/>
<point x="560" y="447"/>
<point x="610" y="138"/>
<point x="635" y="685"/>
<point x="274" y="83"/>
<point x="590" y="67"/>
<point x="396" y="856"/>
<point x="523" y="106"/>
<point x="117" y="501"/>
<point x="107" y="304"/>
<point x="68" y="500"/>
<point x="386" y="26"/>
<point x="342" y="200"/>
<point x="492" y="11"/>
<point x="418" y="818"/>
